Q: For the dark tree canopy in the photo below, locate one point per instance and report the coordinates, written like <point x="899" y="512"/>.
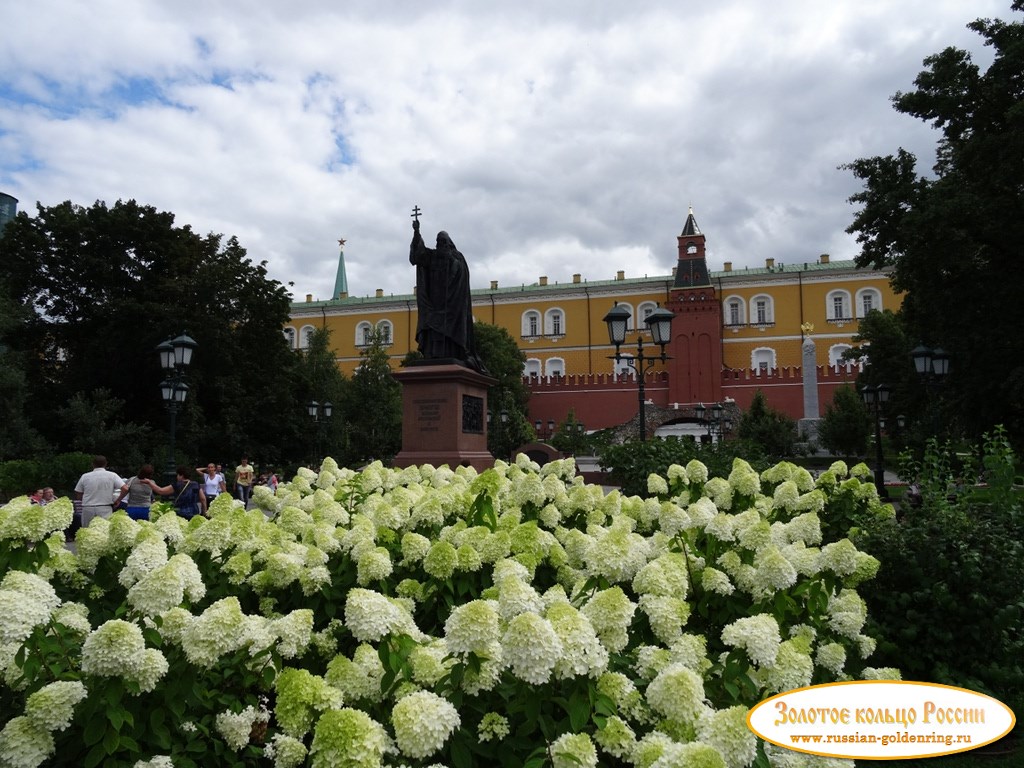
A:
<point x="503" y="360"/>
<point x="954" y="237"/>
<point x="104" y="285"/>
<point x="844" y="428"/>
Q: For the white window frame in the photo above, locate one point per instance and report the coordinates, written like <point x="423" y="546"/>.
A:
<point x="388" y="332"/>
<point x="304" y="333"/>
<point x="363" y="331"/>
<point x="730" y="303"/>
<point x="835" y="357"/>
<point x="554" y="366"/>
<point x="643" y="311"/>
<point x="531" y="330"/>
<point x="549" y="322"/>
<point x="622" y="366"/>
<point x="758" y="364"/>
<point x="532" y="368"/>
<point x="830" y="306"/>
<point x="876" y="301"/>
<point x="769" y="311"/>
<point x="290" y="335"/>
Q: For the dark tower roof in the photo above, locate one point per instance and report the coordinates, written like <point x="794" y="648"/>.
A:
<point x="690" y="228"/>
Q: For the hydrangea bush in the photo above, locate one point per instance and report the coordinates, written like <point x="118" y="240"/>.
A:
<point x="425" y="617"/>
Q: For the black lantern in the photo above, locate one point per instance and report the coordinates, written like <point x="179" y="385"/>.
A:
<point x="175" y="358"/>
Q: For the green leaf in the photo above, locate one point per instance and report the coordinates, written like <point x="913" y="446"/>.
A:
<point x="94" y="730"/>
<point x="111" y="741"/>
<point x="461" y="756"/>
<point x="116" y="718"/>
<point x="96" y="756"/>
<point x="579" y="711"/>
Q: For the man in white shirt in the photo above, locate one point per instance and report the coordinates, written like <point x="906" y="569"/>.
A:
<point x="97" y="489"/>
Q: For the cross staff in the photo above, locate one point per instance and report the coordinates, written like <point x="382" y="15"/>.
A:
<point x="416" y="212"/>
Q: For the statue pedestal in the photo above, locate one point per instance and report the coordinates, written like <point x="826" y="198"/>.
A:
<point x="444" y="415"/>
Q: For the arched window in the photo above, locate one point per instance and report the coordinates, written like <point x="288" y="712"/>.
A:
<point x="762" y="360"/>
<point x="762" y="310"/>
<point x="622" y="366"/>
<point x="289" y="336"/>
<point x="835" y="357"/>
<point x="554" y="366"/>
<point x="364" y="334"/>
<point x="531" y="369"/>
<point x="630" y="325"/>
<point x="554" y="322"/>
<point x="305" y="335"/>
<point x="735" y="311"/>
<point x="643" y="311"/>
<point x="531" y="323"/>
<point x="385" y="329"/>
<point x="867" y="300"/>
<point x="837" y="307"/>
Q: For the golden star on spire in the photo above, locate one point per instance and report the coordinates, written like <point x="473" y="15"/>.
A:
<point x="341" y="242"/>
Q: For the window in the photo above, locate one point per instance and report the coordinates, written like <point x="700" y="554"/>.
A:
<point x="837" y="307"/>
<point x="364" y="334"/>
<point x="762" y="360"/>
<point x="555" y="366"/>
<point x="867" y="300"/>
<point x="289" y="336"/>
<point x="644" y="311"/>
<point x="762" y="311"/>
<point x="734" y="314"/>
<point x="531" y="323"/>
<point x="835" y="357"/>
<point x="531" y="368"/>
<point x="622" y="366"/>
<point x="305" y="335"/>
<point x="554" y="322"/>
<point x="384" y="328"/>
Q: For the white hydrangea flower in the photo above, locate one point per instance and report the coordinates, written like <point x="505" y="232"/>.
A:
<point x="157" y="761"/>
<point x="702" y="511"/>
<point x="757" y="635"/>
<point x="359" y="678"/>
<point x="24" y="743"/>
<point x="573" y="750"/>
<point x="582" y="652"/>
<point x="516" y="596"/>
<point x="774" y="571"/>
<point x="295" y="631"/>
<point x="677" y="692"/>
<point x="847" y="613"/>
<point x="423" y="722"/>
<point x="348" y="738"/>
<point x="714" y="580"/>
<point x="74" y="616"/>
<point x="657" y="485"/>
<point x="610" y="612"/>
<point x="726" y="730"/>
<point x="472" y="627"/>
<point x="697" y="471"/>
<point x="374" y="565"/>
<point x="881" y="673"/>
<point x="831" y="656"/>
<point x="618" y="553"/>
<point x="53" y="705"/>
<point x="840" y="557"/>
<point x="219" y="630"/>
<point x="236" y="727"/>
<point x="793" y="668"/>
<point x="109" y="648"/>
<point x="285" y="751"/>
<point x="666" y="615"/>
<point x="616" y="738"/>
<point x="26" y="601"/>
<point x="370" y="615"/>
<point x="531" y="648"/>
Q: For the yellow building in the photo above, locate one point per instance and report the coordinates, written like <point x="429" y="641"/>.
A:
<point x="754" y="316"/>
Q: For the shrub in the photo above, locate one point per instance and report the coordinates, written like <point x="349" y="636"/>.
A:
<point x="394" y="617"/>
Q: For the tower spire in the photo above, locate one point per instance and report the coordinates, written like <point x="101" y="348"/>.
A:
<point x="341" y="280"/>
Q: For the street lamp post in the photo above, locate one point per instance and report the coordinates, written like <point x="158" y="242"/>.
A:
<point x="659" y="323"/>
<point x="717" y="423"/>
<point x="500" y="426"/>
<point x="932" y="366"/>
<point x="319" y="413"/>
<point x="175" y="358"/>
<point x="876" y="397"/>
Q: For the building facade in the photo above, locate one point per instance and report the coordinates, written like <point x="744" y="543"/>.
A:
<point x="734" y="332"/>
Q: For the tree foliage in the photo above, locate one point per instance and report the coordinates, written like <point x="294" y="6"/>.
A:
<point x="504" y="361"/>
<point x="770" y="429"/>
<point x="844" y="428"/>
<point x="373" y="407"/>
<point x="103" y="285"/>
<point x="955" y="234"/>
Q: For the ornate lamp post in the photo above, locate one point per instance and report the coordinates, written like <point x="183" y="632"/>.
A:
<point x="175" y="358"/>
<point x="500" y="425"/>
<point x="319" y="413"/>
<point x="659" y="323"/>
<point x="875" y="397"/>
<point x="932" y="366"/>
<point x="716" y="423"/>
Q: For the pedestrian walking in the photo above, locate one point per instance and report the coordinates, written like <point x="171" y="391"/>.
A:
<point x="97" y="489"/>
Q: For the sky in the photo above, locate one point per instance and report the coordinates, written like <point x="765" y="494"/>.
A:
<point x="547" y="138"/>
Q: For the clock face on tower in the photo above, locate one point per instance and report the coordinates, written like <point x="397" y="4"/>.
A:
<point x="691" y="248"/>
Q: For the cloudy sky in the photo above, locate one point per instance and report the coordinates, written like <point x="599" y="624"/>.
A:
<point x="547" y="138"/>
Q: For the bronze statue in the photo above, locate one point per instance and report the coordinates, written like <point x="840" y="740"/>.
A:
<point x="444" y="330"/>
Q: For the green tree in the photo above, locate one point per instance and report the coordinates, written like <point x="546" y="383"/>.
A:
<point x="570" y="437"/>
<point x="17" y="437"/>
<point x="953" y="237"/>
<point x="768" y="428"/>
<point x="373" y="408"/>
<point x="98" y="423"/>
<point x="844" y="428"/>
<point x="104" y="285"/>
<point x="504" y="361"/>
<point x="323" y="383"/>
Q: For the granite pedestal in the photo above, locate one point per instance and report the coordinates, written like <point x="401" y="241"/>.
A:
<point x="444" y="415"/>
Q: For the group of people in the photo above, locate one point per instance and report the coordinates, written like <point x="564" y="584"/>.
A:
<point x="101" y="491"/>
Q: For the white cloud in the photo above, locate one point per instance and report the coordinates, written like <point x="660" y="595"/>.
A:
<point x="548" y="139"/>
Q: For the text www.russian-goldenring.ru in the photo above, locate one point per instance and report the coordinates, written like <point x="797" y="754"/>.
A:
<point x="884" y="739"/>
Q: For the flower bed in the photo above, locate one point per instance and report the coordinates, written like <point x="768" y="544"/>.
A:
<point x="427" y="617"/>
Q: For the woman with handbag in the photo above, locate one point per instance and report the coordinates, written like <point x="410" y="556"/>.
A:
<point x="189" y="499"/>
